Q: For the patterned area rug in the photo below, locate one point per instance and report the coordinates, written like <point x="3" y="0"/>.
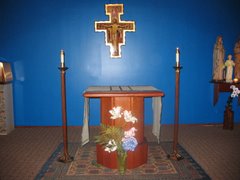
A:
<point x="158" y="166"/>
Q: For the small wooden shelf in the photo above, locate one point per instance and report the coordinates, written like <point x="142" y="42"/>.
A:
<point x="222" y="86"/>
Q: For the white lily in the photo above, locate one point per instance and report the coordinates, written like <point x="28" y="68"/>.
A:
<point x="235" y="92"/>
<point x="129" y="117"/>
<point x="116" y="112"/>
<point x="111" y="146"/>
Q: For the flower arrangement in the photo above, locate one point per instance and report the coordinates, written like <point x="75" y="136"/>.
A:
<point x="235" y="93"/>
<point x="115" y="138"/>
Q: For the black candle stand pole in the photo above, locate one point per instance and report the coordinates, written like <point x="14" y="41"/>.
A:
<point x="175" y="155"/>
<point x="65" y="158"/>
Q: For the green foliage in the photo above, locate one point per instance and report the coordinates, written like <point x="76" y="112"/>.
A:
<point x="108" y="133"/>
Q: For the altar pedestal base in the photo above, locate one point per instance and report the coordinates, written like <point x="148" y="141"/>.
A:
<point x="134" y="158"/>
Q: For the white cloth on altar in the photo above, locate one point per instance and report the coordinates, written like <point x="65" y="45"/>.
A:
<point x="157" y="112"/>
<point x="156" y="107"/>
<point x="85" y="129"/>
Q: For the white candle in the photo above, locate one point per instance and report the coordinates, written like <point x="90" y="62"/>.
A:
<point x="177" y="57"/>
<point x="1" y="71"/>
<point x="62" y="58"/>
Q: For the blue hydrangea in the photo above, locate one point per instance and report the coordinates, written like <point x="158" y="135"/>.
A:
<point x="129" y="144"/>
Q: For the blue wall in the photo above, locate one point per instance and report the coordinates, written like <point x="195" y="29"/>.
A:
<point x="32" y="32"/>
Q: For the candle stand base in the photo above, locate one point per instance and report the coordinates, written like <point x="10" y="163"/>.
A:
<point x="175" y="156"/>
<point x="66" y="158"/>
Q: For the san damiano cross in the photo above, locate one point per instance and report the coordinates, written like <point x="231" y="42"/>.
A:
<point x="115" y="28"/>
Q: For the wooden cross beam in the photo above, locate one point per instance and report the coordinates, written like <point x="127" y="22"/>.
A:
<point x="114" y="29"/>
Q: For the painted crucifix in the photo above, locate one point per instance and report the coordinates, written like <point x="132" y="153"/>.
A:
<point x="115" y="28"/>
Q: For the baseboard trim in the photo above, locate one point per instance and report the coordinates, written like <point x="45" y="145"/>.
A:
<point x="207" y="124"/>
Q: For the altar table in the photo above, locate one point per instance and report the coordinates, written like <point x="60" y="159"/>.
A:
<point x="130" y="98"/>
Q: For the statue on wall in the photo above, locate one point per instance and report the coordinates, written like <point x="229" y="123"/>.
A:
<point x="229" y="71"/>
<point x="218" y="59"/>
<point x="237" y="59"/>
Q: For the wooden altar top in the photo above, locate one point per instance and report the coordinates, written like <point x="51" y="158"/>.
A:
<point x="121" y="91"/>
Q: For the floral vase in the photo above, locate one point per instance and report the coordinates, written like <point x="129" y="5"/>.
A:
<point x="121" y="160"/>
<point x="228" y="122"/>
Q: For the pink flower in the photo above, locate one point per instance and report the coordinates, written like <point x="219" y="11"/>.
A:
<point x="130" y="132"/>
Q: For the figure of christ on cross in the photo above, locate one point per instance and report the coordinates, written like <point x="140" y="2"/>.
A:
<point x="114" y="29"/>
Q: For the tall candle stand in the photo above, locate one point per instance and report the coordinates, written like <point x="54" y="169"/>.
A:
<point x="65" y="158"/>
<point x="175" y="155"/>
